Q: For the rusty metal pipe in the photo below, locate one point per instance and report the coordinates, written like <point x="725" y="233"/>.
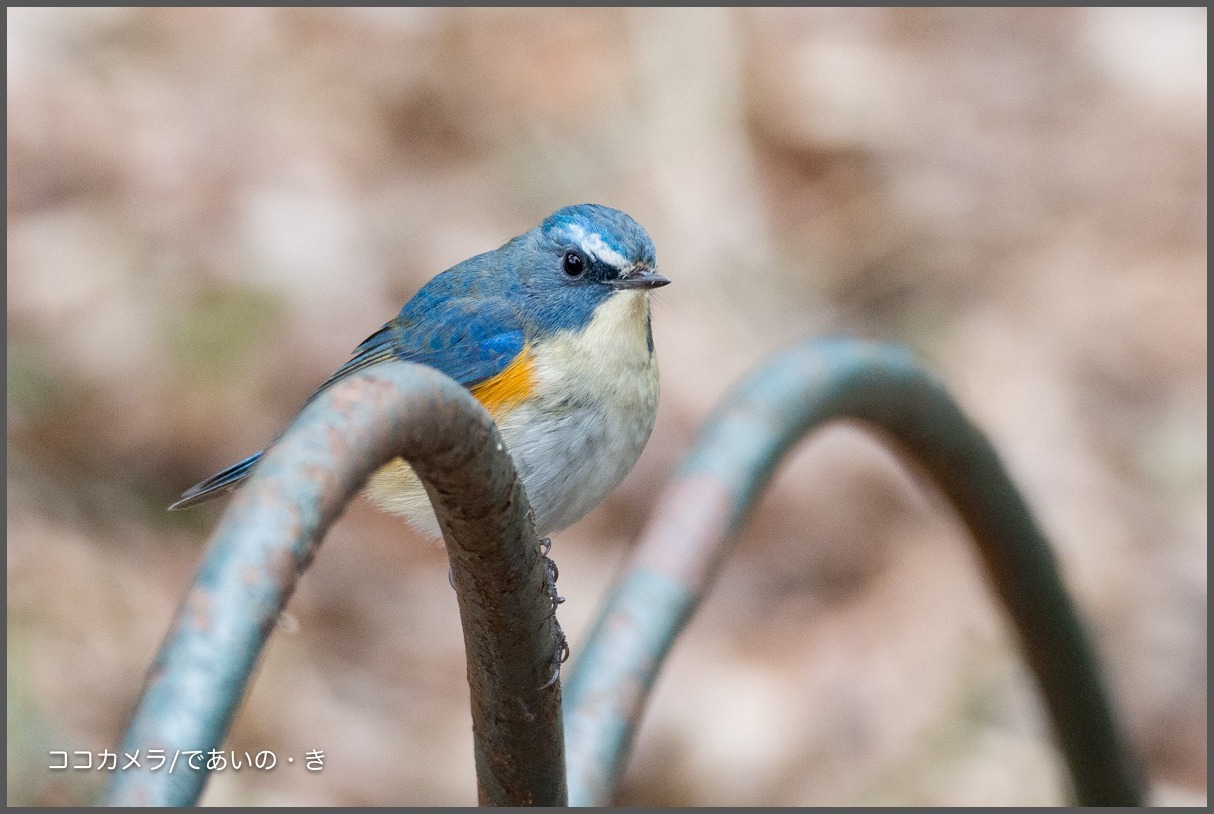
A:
<point x="269" y="535"/>
<point x="698" y="515"/>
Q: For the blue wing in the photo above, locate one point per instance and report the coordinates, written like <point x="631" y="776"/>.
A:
<point x="469" y="339"/>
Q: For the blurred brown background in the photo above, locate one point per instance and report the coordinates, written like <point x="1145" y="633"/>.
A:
<point x="208" y="209"/>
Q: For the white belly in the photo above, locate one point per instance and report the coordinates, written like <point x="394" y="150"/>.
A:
<point x="595" y="404"/>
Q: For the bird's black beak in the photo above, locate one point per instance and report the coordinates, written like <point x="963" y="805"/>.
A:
<point x="640" y="277"/>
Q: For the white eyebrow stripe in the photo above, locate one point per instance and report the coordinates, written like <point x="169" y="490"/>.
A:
<point x="596" y="247"/>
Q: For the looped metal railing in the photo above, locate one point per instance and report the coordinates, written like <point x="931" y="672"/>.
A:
<point x="689" y="535"/>
<point x="269" y="534"/>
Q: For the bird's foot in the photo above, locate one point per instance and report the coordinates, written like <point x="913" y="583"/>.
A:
<point x="561" y="654"/>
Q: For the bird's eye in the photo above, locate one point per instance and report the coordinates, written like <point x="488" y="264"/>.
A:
<point x="573" y="264"/>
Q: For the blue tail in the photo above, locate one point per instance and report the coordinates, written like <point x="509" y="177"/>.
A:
<point x="217" y="484"/>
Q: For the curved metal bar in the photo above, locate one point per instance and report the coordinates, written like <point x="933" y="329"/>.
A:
<point x="269" y="535"/>
<point x="690" y="534"/>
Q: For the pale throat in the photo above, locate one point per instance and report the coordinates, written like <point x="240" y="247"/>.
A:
<point x="606" y="356"/>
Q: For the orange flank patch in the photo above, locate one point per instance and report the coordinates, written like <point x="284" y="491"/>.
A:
<point x="508" y="388"/>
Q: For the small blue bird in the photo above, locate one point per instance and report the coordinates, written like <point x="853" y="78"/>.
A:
<point x="551" y="333"/>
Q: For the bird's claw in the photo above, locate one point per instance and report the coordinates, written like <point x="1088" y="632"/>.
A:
<point x="551" y="572"/>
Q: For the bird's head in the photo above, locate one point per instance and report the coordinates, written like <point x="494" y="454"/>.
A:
<point x="579" y="258"/>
